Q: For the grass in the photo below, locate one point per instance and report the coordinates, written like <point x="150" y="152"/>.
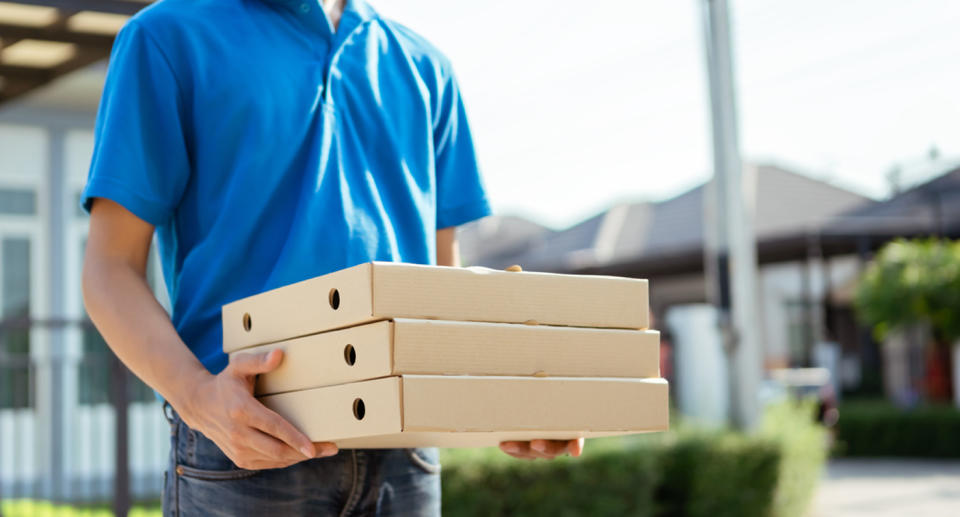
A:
<point x="33" y="508"/>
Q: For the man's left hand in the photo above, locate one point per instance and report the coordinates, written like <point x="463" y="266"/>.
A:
<point x="547" y="449"/>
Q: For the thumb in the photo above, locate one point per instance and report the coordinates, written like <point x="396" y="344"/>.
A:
<point x="248" y="365"/>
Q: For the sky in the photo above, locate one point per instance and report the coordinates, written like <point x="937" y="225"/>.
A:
<point x="576" y="106"/>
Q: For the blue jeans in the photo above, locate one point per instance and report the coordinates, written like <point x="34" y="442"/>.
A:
<point x="202" y="481"/>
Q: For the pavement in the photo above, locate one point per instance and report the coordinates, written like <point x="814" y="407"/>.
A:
<point x="887" y="488"/>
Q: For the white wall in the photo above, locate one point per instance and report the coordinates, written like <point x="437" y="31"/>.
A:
<point x="88" y="439"/>
<point x="782" y="285"/>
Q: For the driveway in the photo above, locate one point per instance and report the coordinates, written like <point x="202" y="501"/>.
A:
<point x="889" y="487"/>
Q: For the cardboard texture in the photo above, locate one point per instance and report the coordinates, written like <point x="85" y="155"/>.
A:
<point x="382" y="290"/>
<point x="468" y="411"/>
<point x="437" y="347"/>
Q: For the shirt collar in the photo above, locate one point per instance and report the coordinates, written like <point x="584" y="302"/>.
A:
<point x="359" y="8"/>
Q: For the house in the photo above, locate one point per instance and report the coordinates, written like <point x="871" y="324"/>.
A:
<point x="57" y="428"/>
<point x="664" y="241"/>
<point x="813" y="239"/>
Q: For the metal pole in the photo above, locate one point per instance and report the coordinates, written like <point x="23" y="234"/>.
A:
<point x="806" y="310"/>
<point x="55" y="288"/>
<point x="121" y="479"/>
<point x="736" y="210"/>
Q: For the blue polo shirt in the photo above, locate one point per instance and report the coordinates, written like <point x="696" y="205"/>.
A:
<point x="266" y="148"/>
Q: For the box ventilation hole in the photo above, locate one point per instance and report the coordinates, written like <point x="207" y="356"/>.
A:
<point x="334" y="298"/>
<point x="247" y="322"/>
<point x="350" y="354"/>
<point x="358" y="409"/>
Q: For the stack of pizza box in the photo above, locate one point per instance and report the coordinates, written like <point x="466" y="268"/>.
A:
<point x="385" y="355"/>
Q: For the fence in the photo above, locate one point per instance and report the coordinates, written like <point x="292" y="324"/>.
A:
<point x="76" y="427"/>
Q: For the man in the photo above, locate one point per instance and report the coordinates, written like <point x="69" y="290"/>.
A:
<point x="265" y="142"/>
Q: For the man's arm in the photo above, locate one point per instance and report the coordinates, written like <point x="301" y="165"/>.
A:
<point x="448" y="250"/>
<point x="448" y="254"/>
<point x="138" y="330"/>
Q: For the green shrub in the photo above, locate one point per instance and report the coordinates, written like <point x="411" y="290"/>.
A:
<point x="877" y="428"/>
<point x="602" y="482"/>
<point x="718" y="475"/>
<point x="686" y="472"/>
<point x="803" y="449"/>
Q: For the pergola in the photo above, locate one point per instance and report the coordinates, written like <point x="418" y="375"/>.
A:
<point x="41" y="40"/>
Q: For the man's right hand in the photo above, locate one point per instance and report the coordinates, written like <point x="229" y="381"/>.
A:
<point x="223" y="408"/>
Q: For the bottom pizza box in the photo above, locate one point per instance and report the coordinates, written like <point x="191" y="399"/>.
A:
<point x="468" y="411"/>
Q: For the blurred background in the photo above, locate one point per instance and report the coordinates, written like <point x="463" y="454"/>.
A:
<point x="819" y="292"/>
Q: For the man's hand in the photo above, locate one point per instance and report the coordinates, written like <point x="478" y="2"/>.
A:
<point x="548" y="449"/>
<point x="223" y="408"/>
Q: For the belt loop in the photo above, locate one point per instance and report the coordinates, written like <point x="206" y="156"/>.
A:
<point x="168" y="412"/>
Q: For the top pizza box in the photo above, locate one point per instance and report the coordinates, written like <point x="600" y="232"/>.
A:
<point x="384" y="290"/>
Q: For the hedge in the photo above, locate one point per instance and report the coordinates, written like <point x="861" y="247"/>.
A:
<point x="688" y="472"/>
<point x="878" y="428"/>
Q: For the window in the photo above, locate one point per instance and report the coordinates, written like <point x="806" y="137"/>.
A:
<point x="94" y="379"/>
<point x="16" y="381"/>
<point x="18" y="201"/>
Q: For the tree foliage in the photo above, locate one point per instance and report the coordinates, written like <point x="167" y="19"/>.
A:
<point x="912" y="282"/>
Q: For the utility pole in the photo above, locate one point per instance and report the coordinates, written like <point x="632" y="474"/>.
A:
<point x="735" y="260"/>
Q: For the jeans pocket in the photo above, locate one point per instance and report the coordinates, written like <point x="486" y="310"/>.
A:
<point x="214" y="475"/>
<point x="427" y="459"/>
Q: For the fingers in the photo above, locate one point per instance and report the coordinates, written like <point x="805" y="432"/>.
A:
<point x="547" y="449"/>
<point x="260" y="452"/>
<point x="522" y="450"/>
<point x="575" y="447"/>
<point x="325" y="449"/>
<point x="516" y="449"/>
<point x="267" y="450"/>
<point x="274" y="425"/>
<point x="248" y="365"/>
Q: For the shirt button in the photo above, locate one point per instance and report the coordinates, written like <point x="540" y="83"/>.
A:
<point x="304" y="8"/>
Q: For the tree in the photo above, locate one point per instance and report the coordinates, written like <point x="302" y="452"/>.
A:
<point x="912" y="282"/>
<point x="916" y="284"/>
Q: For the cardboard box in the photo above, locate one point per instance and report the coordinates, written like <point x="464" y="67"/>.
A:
<point x="437" y="347"/>
<point x="465" y="411"/>
<point x="383" y="290"/>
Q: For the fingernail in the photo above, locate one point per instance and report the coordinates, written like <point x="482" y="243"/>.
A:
<point x="306" y="451"/>
<point x="511" y="447"/>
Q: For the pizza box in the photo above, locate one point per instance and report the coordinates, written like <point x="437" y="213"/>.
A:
<point x="473" y="411"/>
<point x="439" y="347"/>
<point x="386" y="290"/>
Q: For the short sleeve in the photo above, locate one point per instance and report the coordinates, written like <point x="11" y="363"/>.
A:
<point x="461" y="196"/>
<point x="140" y="157"/>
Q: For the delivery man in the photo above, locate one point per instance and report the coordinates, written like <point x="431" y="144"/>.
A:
<point x="265" y="142"/>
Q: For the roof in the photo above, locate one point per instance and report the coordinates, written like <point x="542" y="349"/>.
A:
<point x="497" y="236"/>
<point x="787" y="203"/>
<point x="41" y="40"/>
<point x="929" y="208"/>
